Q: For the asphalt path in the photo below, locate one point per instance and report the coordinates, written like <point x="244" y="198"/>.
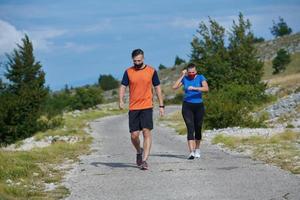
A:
<point x="109" y="172"/>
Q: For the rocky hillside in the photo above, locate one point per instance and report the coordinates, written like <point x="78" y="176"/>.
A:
<point x="267" y="50"/>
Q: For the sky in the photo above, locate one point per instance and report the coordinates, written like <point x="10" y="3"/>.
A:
<point x="76" y="41"/>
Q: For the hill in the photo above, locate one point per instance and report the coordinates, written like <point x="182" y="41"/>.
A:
<point x="289" y="79"/>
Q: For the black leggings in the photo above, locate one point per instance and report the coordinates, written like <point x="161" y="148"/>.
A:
<point x="193" y="114"/>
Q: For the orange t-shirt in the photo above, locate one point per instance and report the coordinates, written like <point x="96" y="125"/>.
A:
<point x="140" y="83"/>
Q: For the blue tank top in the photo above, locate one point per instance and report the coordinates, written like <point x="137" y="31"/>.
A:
<point x="192" y="96"/>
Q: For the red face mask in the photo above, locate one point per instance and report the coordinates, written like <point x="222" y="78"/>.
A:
<point x="191" y="76"/>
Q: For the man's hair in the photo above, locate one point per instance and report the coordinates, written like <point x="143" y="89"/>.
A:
<point x="191" y="65"/>
<point x="137" y="52"/>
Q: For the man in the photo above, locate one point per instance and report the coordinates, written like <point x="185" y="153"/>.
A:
<point x="140" y="78"/>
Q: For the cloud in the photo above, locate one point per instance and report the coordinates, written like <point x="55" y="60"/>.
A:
<point x="185" y="23"/>
<point x="101" y="26"/>
<point x="9" y="37"/>
<point x="41" y="38"/>
<point x="78" y="48"/>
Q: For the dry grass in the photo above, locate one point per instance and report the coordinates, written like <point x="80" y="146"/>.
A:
<point x="23" y="174"/>
<point x="282" y="150"/>
<point x="292" y="68"/>
<point x="286" y="81"/>
<point x="175" y="120"/>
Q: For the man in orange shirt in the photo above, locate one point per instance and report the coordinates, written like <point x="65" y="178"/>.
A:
<point x="140" y="78"/>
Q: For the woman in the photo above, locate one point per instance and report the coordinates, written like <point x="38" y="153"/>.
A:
<point x="192" y="108"/>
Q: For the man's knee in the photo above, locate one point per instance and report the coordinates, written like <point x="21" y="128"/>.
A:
<point x="135" y="135"/>
<point x="146" y="132"/>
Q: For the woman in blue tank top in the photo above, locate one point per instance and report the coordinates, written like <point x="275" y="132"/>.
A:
<point x="192" y="107"/>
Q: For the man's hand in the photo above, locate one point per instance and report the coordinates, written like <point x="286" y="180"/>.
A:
<point x="121" y="105"/>
<point x="184" y="72"/>
<point x="161" y="112"/>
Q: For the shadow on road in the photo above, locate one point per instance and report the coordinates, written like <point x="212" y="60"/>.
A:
<point x="170" y="156"/>
<point x="114" y="165"/>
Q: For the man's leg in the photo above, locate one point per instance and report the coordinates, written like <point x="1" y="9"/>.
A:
<point x="147" y="143"/>
<point x="135" y="140"/>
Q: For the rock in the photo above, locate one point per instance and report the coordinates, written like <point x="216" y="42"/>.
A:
<point x="272" y="90"/>
<point x="50" y="186"/>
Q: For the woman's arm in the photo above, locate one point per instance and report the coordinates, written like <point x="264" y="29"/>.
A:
<point x="178" y="83"/>
<point x="204" y="87"/>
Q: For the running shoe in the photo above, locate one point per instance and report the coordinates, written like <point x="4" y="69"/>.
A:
<point x="191" y="156"/>
<point x="144" y="165"/>
<point x="197" y="153"/>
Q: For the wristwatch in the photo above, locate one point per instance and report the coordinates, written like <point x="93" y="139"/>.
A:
<point x="162" y="106"/>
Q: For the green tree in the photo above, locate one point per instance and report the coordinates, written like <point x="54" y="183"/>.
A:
<point x="233" y="72"/>
<point x="210" y="54"/>
<point x="67" y="89"/>
<point x="108" y="82"/>
<point x="161" y="67"/>
<point x="280" y="28"/>
<point x="179" y="61"/>
<point x="24" y="95"/>
<point x="280" y="61"/>
<point x="245" y="67"/>
<point x="258" y="39"/>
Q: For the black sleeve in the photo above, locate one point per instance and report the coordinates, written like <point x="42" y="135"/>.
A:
<point x="155" y="79"/>
<point x="125" y="79"/>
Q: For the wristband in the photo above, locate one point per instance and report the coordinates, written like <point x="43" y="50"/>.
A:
<point x="162" y="106"/>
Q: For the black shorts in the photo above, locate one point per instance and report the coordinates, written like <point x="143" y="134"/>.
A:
<point x="139" y="119"/>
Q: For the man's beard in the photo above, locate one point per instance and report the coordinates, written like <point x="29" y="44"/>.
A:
<point x="138" y="66"/>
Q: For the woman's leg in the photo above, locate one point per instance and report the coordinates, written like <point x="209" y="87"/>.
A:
<point x="189" y="122"/>
<point x="198" y="121"/>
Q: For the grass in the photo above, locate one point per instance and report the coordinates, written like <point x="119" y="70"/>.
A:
<point x="175" y="120"/>
<point x="292" y="68"/>
<point x="282" y="150"/>
<point x="23" y="174"/>
<point x="289" y="80"/>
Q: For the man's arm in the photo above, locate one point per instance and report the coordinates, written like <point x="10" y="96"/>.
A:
<point x="160" y="100"/>
<point x="159" y="95"/>
<point x="122" y="91"/>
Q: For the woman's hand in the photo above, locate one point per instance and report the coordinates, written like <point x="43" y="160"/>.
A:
<point x="192" y="88"/>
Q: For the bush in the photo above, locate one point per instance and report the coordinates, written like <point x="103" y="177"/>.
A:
<point x="57" y="103"/>
<point x="231" y="106"/>
<point x="86" y="97"/>
<point x="108" y="82"/>
<point x="50" y="123"/>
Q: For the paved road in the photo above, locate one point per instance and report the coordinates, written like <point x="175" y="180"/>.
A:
<point x="109" y="172"/>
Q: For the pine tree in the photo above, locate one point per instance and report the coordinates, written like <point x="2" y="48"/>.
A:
<point x="178" y="61"/>
<point x="245" y="67"/>
<point x="161" y="67"/>
<point x="281" y="28"/>
<point x="280" y="61"/>
<point x="210" y="54"/>
<point x="26" y="88"/>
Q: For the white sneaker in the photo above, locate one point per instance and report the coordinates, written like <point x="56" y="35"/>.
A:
<point x="197" y="153"/>
<point x="191" y="156"/>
